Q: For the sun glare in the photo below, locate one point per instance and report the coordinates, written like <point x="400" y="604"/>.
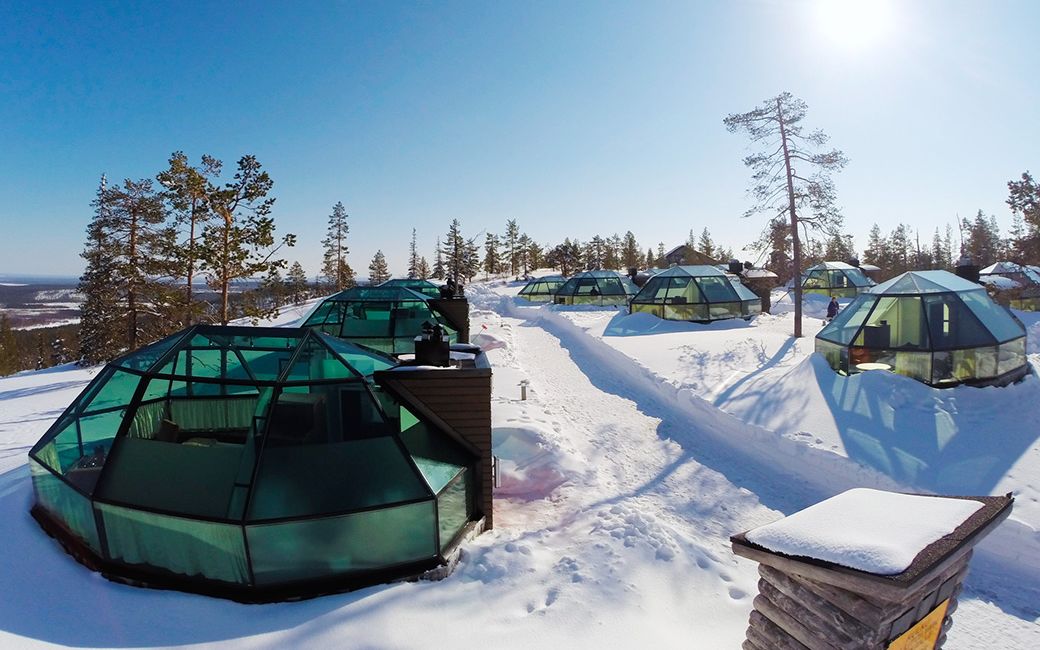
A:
<point x="854" y="23"/>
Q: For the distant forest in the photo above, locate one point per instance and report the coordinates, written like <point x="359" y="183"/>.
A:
<point x="149" y="242"/>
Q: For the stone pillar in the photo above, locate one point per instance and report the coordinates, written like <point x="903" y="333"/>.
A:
<point x="807" y="603"/>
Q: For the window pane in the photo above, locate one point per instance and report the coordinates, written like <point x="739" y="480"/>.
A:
<point x="321" y="548"/>
<point x="312" y="477"/>
<point x="1012" y="356"/>
<point x="65" y="504"/>
<point x="994" y="317"/>
<point x="183" y="546"/>
<point x="848" y="321"/>
<point x="454" y="508"/>
<point x="117" y="390"/>
<point x="716" y="289"/>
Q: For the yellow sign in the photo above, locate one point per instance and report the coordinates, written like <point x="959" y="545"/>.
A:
<point x="925" y="633"/>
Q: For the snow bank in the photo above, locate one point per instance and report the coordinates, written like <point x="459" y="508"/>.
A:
<point x="869" y="530"/>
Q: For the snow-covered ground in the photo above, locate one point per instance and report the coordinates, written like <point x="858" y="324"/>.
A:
<point x="636" y="455"/>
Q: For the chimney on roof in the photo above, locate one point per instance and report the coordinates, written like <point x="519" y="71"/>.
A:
<point x="735" y="267"/>
<point x="967" y="268"/>
<point x="854" y="261"/>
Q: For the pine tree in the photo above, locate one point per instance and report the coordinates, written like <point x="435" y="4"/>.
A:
<point x="612" y="254"/>
<point x="457" y="257"/>
<point x="439" y="271"/>
<point x="594" y="253"/>
<point x="186" y="199"/>
<point x="274" y="288"/>
<point x="423" y="269"/>
<point x="413" y="258"/>
<point x="492" y="260"/>
<point x="705" y="244"/>
<point x="100" y="327"/>
<point x="378" y="272"/>
<point x="239" y="242"/>
<point x="630" y="255"/>
<point x="334" y="268"/>
<point x="875" y="250"/>
<point x="804" y="194"/>
<point x="513" y="247"/>
<point x="296" y="284"/>
<point x="531" y="254"/>
<point x="661" y="262"/>
<point x="650" y="263"/>
<point x="1024" y="198"/>
<point x="137" y="227"/>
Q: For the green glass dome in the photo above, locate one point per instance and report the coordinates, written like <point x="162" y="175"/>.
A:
<point x="695" y="293"/>
<point x="242" y="461"/>
<point x="542" y="289"/>
<point x="425" y="287"/>
<point x="930" y="325"/>
<point x="383" y="318"/>
<point x="836" y="279"/>
<point x="596" y="288"/>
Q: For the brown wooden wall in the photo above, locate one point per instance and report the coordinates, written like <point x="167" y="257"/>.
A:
<point x="459" y="401"/>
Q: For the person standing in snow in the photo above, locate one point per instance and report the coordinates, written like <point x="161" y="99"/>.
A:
<point x="832" y="308"/>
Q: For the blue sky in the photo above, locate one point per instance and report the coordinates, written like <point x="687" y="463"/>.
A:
<point x="575" y="118"/>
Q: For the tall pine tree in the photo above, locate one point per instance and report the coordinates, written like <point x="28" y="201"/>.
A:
<point x="240" y="242"/>
<point x="413" y="258"/>
<point x="378" y="272"/>
<point x="100" y="327"/>
<point x="334" y="266"/>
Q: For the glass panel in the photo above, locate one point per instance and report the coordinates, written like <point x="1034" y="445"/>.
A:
<point x="994" y="317"/>
<point x="266" y="365"/>
<point x="952" y="325"/>
<point x="831" y="352"/>
<point x="917" y="365"/>
<point x="117" y="390"/>
<point x="315" y="361"/>
<point x="858" y="278"/>
<point x="896" y="322"/>
<point x="720" y="310"/>
<point x="454" y="508"/>
<point x="438" y="457"/>
<point x="191" y="464"/>
<point x="656" y="310"/>
<point x="362" y="541"/>
<point x="65" y="504"/>
<point x="690" y="312"/>
<point x="339" y="474"/>
<point x="183" y="546"/>
<point x="716" y="289"/>
<point x="815" y="280"/>
<point x="145" y="358"/>
<point x="365" y="362"/>
<point x="320" y="314"/>
<point x="611" y="286"/>
<point x="1012" y="356"/>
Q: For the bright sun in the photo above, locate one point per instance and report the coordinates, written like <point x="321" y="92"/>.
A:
<point x="854" y="23"/>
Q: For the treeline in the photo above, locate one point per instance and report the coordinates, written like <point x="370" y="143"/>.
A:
<point x="35" y="349"/>
<point x="148" y="242"/>
<point x="515" y="253"/>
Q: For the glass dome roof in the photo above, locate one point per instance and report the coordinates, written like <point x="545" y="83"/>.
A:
<point x="695" y="293"/>
<point x="240" y="459"/>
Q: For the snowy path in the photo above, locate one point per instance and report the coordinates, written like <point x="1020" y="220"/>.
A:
<point x="785" y="475"/>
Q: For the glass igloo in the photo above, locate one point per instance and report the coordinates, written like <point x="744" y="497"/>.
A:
<point x="695" y="293"/>
<point x="254" y="463"/>
<point x="930" y="325"/>
<point x="836" y="279"/>
<point x="383" y="318"/>
<point x="596" y="288"/>
<point x="1016" y="285"/>
<point x="542" y="289"/>
<point x="418" y="285"/>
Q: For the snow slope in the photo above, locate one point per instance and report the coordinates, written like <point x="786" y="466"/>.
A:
<point x="740" y="381"/>
<point x="618" y="494"/>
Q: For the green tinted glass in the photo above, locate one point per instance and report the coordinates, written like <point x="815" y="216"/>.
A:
<point x="454" y="508"/>
<point x="65" y="504"/>
<point x="183" y="546"/>
<point x="321" y="548"/>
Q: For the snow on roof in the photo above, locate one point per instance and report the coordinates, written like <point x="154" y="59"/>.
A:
<point x="1031" y="273"/>
<point x="999" y="282"/>
<point x="831" y="265"/>
<point x="868" y="530"/>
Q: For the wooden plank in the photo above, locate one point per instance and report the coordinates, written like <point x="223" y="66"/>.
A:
<point x="767" y="634"/>
<point x="864" y="610"/>
<point x="824" y="609"/>
<point x="791" y="625"/>
<point x="821" y="628"/>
